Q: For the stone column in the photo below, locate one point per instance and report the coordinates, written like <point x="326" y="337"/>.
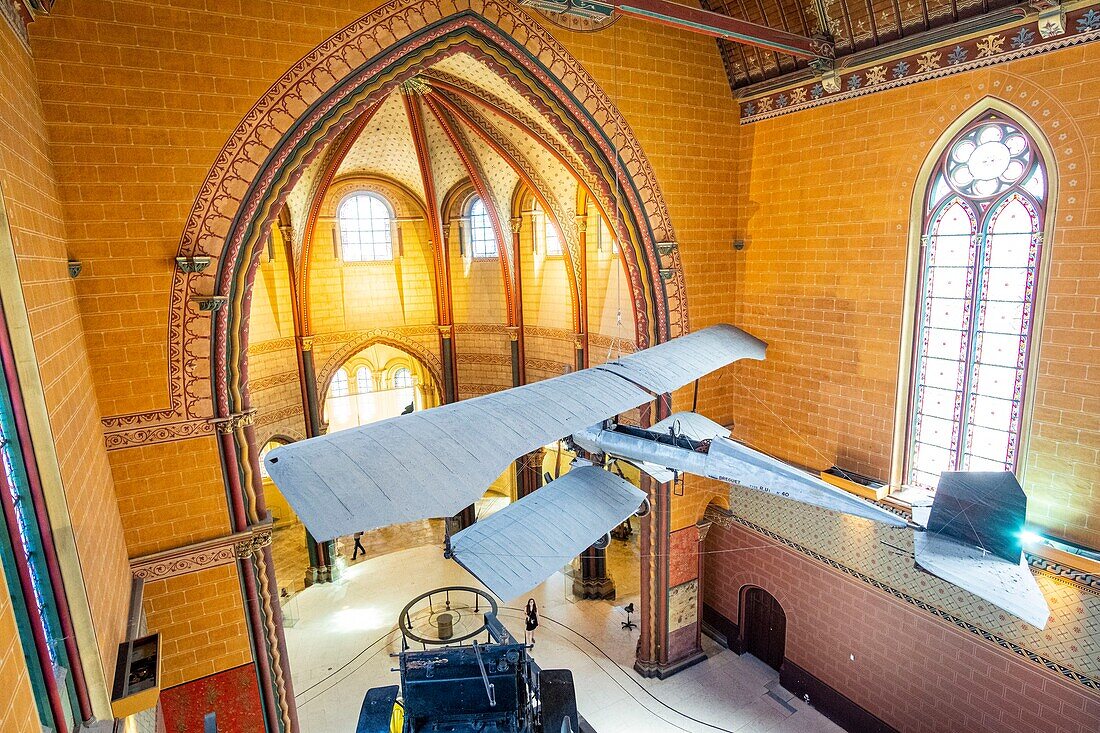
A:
<point x="594" y="582"/>
<point x="319" y="554"/>
<point x="529" y="473"/>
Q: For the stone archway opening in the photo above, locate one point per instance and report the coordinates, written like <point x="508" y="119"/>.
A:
<point x="305" y="119"/>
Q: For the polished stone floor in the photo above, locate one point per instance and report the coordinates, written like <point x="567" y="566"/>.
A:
<point x="345" y="632"/>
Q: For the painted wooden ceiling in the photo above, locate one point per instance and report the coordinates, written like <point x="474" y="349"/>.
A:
<point x="855" y="25"/>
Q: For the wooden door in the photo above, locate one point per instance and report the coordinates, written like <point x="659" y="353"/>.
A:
<point x="764" y="627"/>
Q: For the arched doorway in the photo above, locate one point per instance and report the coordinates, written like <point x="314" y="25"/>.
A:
<point x="763" y="626"/>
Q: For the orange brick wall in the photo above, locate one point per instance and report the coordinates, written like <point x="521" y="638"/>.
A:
<point x="201" y="621"/>
<point x="138" y="100"/>
<point x="18" y="713"/>
<point x="824" y="203"/>
<point x="35" y="217"/>
<point x="915" y="672"/>
<point x="170" y="494"/>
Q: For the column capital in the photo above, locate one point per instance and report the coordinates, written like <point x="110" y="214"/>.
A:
<point x="517" y="222"/>
<point x="232" y="423"/>
<point x="582" y="223"/>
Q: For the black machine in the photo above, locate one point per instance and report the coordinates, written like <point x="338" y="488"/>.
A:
<point x="458" y="684"/>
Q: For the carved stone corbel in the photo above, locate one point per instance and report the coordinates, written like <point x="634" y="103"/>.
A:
<point x="232" y="423"/>
<point x="1052" y="17"/>
<point x="192" y="264"/>
<point x="249" y="546"/>
<point x="210" y="303"/>
<point x="825" y="69"/>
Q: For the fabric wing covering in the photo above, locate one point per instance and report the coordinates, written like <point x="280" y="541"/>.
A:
<point x="520" y="546"/>
<point x="437" y="462"/>
<point x="738" y="464"/>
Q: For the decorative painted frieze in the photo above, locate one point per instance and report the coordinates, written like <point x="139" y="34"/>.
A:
<point x="201" y="555"/>
<point x="1054" y="27"/>
<point x="21" y="13"/>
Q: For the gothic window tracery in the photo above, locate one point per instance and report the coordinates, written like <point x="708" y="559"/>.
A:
<point x="980" y="253"/>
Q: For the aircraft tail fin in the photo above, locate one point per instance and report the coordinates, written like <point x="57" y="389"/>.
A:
<point x="973" y="541"/>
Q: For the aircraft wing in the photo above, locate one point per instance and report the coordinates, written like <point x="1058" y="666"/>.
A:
<point x="690" y="425"/>
<point x="437" y="462"/>
<point x="738" y="464"/>
<point x="523" y="544"/>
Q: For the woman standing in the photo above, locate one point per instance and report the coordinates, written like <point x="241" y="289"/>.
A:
<point x="532" y="622"/>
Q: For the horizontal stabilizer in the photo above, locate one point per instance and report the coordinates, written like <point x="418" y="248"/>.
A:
<point x="690" y="425"/>
<point x="436" y="462"/>
<point x="525" y="543"/>
<point x="738" y="464"/>
<point x="1006" y="584"/>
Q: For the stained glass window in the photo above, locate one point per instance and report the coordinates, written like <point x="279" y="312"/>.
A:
<point x="339" y="386"/>
<point x="363" y="381"/>
<point x="980" y="253"/>
<point x="483" y="242"/>
<point x="28" y="536"/>
<point x="26" y="554"/>
<point x="365" y="228"/>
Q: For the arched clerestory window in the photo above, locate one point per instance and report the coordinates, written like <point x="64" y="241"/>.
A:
<point x="482" y="239"/>
<point x="979" y="261"/>
<point x="363" y="380"/>
<point x="267" y="448"/>
<point x="402" y="378"/>
<point x="339" y="386"/>
<point x="365" y="221"/>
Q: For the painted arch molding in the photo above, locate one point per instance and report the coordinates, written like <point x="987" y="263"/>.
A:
<point x="317" y="99"/>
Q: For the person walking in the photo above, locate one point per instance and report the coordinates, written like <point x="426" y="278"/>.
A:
<point x="358" y="546"/>
<point x="532" y="621"/>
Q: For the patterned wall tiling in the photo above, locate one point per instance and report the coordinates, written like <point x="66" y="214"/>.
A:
<point x="1023" y="39"/>
<point x="883" y="557"/>
<point x="233" y="694"/>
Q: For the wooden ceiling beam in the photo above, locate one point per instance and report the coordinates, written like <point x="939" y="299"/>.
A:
<point x="709" y="23"/>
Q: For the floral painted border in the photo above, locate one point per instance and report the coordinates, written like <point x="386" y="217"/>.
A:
<point x="1081" y="26"/>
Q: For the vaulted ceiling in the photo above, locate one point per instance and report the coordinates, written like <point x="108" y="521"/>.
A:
<point x="855" y="25"/>
<point x="472" y="120"/>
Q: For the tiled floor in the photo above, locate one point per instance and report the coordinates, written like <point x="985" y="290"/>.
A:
<point x="341" y="644"/>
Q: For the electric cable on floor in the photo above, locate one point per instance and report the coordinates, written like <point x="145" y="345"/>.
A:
<point x="639" y="685"/>
<point x="518" y="614"/>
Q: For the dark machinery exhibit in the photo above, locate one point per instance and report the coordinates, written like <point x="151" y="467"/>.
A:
<point x="469" y="675"/>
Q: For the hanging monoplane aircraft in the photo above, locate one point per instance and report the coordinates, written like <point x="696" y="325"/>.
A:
<point x="437" y="462"/>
